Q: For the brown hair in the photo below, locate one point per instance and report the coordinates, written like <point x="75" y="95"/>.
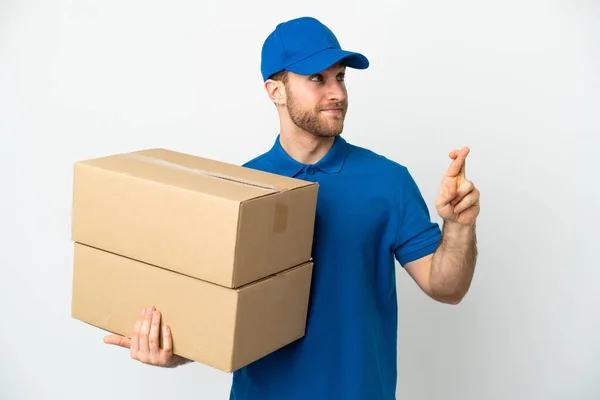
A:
<point x="280" y="76"/>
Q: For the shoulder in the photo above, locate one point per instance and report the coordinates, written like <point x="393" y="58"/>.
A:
<point x="369" y="160"/>
<point x="386" y="176"/>
<point x="261" y="162"/>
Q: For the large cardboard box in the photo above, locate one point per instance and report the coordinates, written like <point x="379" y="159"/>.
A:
<point x="210" y="220"/>
<point x="221" y="327"/>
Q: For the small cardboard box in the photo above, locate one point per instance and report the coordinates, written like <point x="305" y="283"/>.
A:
<point x="220" y="327"/>
<point x="211" y="220"/>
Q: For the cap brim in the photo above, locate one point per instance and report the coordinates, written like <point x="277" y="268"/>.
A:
<point x="322" y="60"/>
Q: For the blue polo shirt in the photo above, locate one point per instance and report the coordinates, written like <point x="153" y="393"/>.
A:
<point x="370" y="213"/>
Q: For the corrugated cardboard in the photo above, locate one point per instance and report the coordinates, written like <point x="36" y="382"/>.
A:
<point x="214" y="221"/>
<point x="217" y="326"/>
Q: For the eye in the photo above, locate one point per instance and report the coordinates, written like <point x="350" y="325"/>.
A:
<point x="341" y="77"/>
<point x="316" y="78"/>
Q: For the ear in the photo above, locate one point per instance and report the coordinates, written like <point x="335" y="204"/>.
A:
<point x="275" y="91"/>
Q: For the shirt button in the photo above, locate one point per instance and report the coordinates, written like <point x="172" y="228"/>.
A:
<point x="311" y="171"/>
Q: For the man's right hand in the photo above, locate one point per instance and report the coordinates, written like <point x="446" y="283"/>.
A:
<point x="144" y="343"/>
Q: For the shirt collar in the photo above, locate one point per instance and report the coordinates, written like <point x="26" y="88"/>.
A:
<point x="331" y="163"/>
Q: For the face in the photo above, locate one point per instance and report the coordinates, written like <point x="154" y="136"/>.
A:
<point x="318" y="103"/>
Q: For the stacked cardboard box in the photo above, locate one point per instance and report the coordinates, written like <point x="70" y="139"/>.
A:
<point x="224" y="252"/>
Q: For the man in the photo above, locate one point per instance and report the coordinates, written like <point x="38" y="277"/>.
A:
<point x="370" y="213"/>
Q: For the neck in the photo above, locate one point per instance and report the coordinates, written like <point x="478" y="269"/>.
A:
<point x="303" y="146"/>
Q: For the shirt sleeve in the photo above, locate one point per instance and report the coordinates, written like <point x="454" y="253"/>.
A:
<point x="416" y="234"/>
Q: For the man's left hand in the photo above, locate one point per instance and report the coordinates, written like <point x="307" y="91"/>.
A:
<point x="458" y="198"/>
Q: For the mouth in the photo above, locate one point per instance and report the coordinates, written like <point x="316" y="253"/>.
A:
<point x="335" y="111"/>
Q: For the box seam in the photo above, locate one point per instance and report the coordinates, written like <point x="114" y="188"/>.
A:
<point x="104" y="170"/>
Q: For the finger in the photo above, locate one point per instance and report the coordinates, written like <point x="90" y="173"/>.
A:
<point x="457" y="164"/>
<point x="118" y="340"/>
<point x="446" y="194"/>
<point x="153" y="338"/>
<point x="463" y="170"/>
<point x="145" y="332"/>
<point x="462" y="191"/>
<point x="469" y="200"/>
<point x="167" y="351"/>
<point x="135" y="335"/>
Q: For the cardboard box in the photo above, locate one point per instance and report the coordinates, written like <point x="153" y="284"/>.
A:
<point x="214" y="221"/>
<point x="221" y="327"/>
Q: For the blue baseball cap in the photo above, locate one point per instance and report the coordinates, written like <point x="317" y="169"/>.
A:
<point x="305" y="46"/>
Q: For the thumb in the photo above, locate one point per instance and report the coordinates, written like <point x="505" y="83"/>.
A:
<point x="118" y="340"/>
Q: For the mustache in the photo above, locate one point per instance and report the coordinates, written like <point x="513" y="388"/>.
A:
<point x="342" y="105"/>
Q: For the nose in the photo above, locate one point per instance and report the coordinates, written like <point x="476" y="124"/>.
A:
<point x="336" y="90"/>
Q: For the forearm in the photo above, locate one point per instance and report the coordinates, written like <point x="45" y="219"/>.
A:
<point x="453" y="263"/>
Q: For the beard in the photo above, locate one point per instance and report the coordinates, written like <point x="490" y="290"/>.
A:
<point x="315" y="121"/>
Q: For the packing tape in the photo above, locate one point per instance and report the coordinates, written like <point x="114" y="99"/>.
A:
<point x="281" y="209"/>
<point x="168" y="164"/>
<point x="281" y="218"/>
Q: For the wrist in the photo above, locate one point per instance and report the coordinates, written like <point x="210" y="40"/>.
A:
<point x="454" y="232"/>
<point x="458" y="227"/>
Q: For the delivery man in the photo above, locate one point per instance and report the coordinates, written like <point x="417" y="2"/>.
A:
<point x="370" y="213"/>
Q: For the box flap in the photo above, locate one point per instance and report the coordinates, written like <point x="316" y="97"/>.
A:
<point x="277" y="182"/>
<point x="199" y="174"/>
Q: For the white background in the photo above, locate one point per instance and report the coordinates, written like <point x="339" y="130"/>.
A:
<point x="517" y="81"/>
